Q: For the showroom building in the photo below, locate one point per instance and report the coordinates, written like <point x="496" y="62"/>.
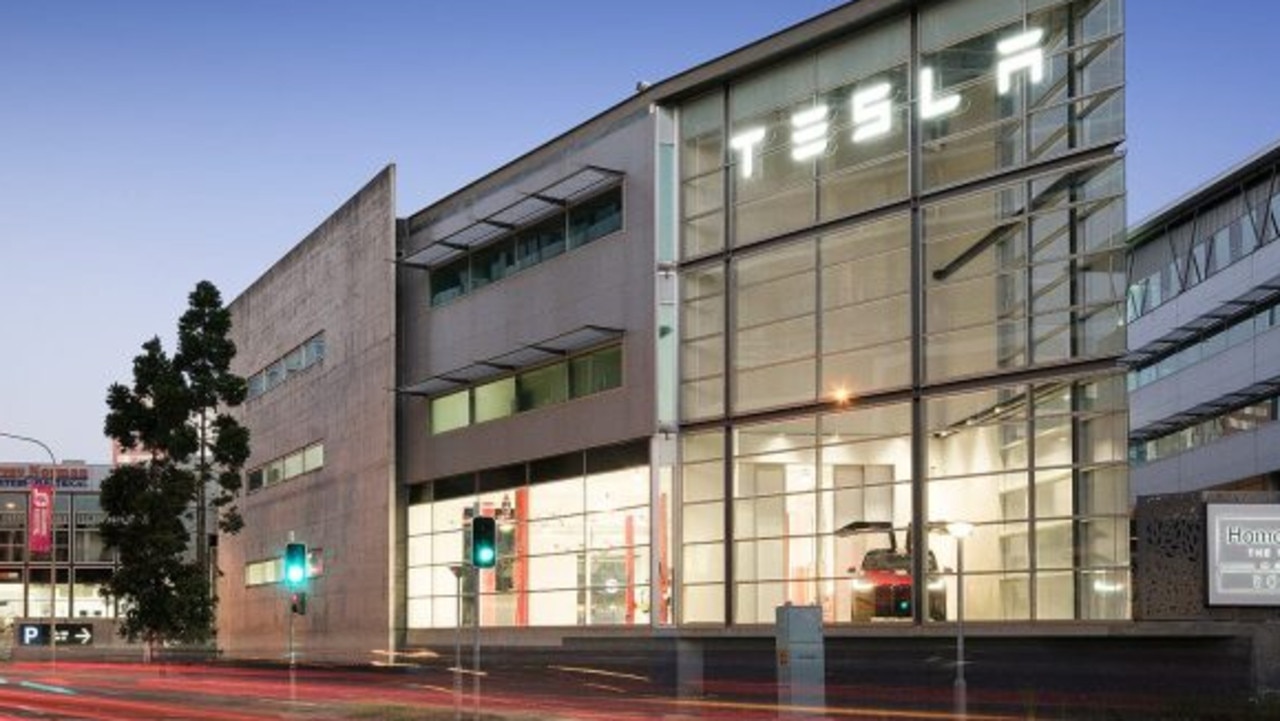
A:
<point x="747" y="338"/>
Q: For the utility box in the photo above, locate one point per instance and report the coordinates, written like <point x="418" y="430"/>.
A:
<point x="801" y="664"/>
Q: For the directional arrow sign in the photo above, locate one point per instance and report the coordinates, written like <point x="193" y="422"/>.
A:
<point x="74" y="633"/>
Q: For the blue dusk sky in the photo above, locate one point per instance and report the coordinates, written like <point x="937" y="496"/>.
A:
<point x="146" y="145"/>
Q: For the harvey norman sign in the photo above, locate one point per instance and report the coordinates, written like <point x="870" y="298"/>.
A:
<point x="871" y="107"/>
<point x="1243" y="554"/>
<point x="16" y="476"/>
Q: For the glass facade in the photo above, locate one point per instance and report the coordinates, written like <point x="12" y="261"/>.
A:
<point x="80" y="558"/>
<point x="1202" y="433"/>
<point x="1216" y="244"/>
<point x="573" y="544"/>
<point x="898" y="272"/>
<point x="1203" y="348"/>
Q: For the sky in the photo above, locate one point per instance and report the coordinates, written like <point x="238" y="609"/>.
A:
<point x="146" y="145"/>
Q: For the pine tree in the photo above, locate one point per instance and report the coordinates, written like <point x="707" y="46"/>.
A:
<point x="176" y="410"/>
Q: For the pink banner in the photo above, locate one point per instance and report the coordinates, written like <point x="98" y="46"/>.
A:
<point x="40" y="519"/>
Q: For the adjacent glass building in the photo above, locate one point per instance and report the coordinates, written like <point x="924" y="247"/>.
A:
<point x="1202" y="308"/>
<point x="81" y="561"/>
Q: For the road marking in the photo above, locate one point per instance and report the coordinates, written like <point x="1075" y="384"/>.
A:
<point x="429" y="687"/>
<point x="599" y="672"/>
<point x="46" y="687"/>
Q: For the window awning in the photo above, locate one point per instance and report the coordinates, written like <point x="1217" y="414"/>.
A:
<point x="529" y="208"/>
<point x="1226" y="312"/>
<point x="1209" y="409"/>
<point x="514" y="360"/>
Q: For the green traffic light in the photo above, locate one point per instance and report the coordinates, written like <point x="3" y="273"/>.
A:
<point x="295" y="564"/>
<point x="484" y="542"/>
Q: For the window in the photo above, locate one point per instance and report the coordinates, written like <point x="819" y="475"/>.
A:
<point x="584" y="374"/>
<point x="268" y="571"/>
<point x="315" y="349"/>
<point x="309" y="353"/>
<point x="596" y="372"/>
<point x="449" y="281"/>
<point x="313" y="458"/>
<point x="542" y="387"/>
<point x="293" y="363"/>
<point x="275" y="375"/>
<point x="1210" y="254"/>
<point x="1241" y="331"/>
<point x="492" y="263"/>
<point x="581" y="224"/>
<point x="495" y="400"/>
<point x="289" y="466"/>
<point x="573" y="543"/>
<point x="544" y="241"/>
<point x="450" y="412"/>
<point x="293" y="465"/>
<point x="1240" y="420"/>
<point x="595" y="218"/>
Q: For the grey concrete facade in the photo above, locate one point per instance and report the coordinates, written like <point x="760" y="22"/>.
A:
<point x="608" y="283"/>
<point x="338" y="281"/>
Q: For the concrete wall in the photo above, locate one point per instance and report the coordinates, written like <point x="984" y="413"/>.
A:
<point x="609" y="282"/>
<point x="338" y="280"/>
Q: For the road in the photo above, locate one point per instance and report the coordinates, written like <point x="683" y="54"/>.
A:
<point x="136" y="692"/>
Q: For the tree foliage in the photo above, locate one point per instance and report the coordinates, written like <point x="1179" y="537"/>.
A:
<point x="175" y="410"/>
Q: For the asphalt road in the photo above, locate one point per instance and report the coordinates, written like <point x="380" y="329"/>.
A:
<point x="549" y="690"/>
<point x="136" y="692"/>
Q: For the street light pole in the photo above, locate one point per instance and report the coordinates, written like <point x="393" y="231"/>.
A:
<point x="457" y="570"/>
<point x="53" y="549"/>
<point x="960" y="530"/>
<point x="961" y="688"/>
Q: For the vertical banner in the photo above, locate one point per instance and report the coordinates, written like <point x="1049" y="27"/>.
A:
<point x="40" y="519"/>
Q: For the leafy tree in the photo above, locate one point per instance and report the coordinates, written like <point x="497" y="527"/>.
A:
<point x="175" y="409"/>
<point x="204" y="360"/>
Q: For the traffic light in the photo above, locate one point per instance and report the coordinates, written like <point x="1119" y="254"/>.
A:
<point x="902" y="601"/>
<point x="298" y="603"/>
<point x="484" y="542"/>
<point x="295" y="564"/>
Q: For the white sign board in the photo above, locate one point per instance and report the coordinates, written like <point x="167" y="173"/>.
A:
<point x="1243" y="554"/>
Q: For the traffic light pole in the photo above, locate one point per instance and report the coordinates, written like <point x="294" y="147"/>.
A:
<point x="475" y="639"/>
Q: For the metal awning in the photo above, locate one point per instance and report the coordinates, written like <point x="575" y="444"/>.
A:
<point x="1209" y="409"/>
<point x="529" y="208"/>
<point x="513" y="360"/>
<point x="1225" y="313"/>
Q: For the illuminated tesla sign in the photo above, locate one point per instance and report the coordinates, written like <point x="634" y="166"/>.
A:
<point x="871" y="108"/>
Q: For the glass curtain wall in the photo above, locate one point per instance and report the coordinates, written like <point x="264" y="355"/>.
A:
<point x="82" y="561"/>
<point x="573" y="544"/>
<point x="865" y="322"/>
